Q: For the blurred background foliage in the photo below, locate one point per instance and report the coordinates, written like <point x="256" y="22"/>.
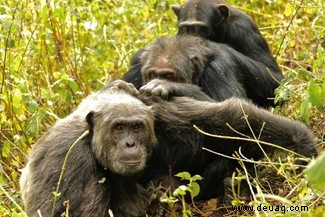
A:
<point x="54" y="53"/>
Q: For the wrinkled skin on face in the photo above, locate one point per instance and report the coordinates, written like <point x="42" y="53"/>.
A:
<point x="122" y="137"/>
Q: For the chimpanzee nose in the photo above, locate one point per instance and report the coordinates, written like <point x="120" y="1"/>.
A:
<point x="130" y="144"/>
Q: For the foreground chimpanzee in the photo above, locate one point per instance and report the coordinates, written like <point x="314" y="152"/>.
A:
<point x="101" y="168"/>
<point x="217" y="21"/>
<point x="220" y="71"/>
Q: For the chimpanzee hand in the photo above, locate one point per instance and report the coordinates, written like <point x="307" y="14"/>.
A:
<point x="167" y="89"/>
<point x="122" y="85"/>
<point x="158" y="87"/>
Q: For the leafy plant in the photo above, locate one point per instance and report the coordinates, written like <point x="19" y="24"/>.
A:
<point x="193" y="188"/>
<point x="315" y="173"/>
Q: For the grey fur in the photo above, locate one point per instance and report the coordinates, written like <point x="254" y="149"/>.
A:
<point x="95" y="181"/>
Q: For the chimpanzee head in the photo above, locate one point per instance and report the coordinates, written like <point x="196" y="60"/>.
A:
<point x="123" y="134"/>
<point x="171" y="60"/>
<point x="202" y="17"/>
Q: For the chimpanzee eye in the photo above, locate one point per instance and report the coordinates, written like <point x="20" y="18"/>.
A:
<point x="152" y="75"/>
<point x="169" y="77"/>
<point x="136" y="126"/>
<point x="118" y="127"/>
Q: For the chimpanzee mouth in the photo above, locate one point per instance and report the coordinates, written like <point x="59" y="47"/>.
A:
<point x="130" y="162"/>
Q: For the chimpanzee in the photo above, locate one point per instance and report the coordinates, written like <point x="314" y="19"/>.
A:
<point x="217" y="21"/>
<point x="99" y="176"/>
<point x="219" y="70"/>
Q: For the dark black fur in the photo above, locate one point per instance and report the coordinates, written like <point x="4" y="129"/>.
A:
<point x="219" y="22"/>
<point x="180" y="145"/>
<point x="219" y="70"/>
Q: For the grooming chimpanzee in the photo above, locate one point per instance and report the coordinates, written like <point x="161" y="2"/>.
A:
<point x="100" y="171"/>
<point x="217" y="21"/>
<point x="219" y="70"/>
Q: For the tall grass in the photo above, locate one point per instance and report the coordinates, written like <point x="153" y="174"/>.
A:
<point x="53" y="53"/>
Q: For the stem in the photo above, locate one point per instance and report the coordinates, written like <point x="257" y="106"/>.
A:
<point x="63" y="169"/>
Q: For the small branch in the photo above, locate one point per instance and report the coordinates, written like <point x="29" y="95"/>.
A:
<point x="287" y="29"/>
<point x="245" y="139"/>
<point x="64" y="167"/>
<point x="12" y="200"/>
<point x="251" y="129"/>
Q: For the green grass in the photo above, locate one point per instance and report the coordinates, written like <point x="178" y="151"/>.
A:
<point x="54" y="54"/>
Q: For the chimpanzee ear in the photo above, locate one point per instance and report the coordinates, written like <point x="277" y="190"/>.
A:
<point x="223" y="9"/>
<point x="176" y="9"/>
<point x="90" y="119"/>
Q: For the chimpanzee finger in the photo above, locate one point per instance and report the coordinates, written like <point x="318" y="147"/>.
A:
<point x="128" y="87"/>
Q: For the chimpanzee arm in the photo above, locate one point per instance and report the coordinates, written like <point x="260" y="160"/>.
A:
<point x="182" y="151"/>
<point x="219" y="118"/>
<point x="167" y="89"/>
<point x="228" y="118"/>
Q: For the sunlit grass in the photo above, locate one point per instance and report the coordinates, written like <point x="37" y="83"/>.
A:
<point x="54" y="53"/>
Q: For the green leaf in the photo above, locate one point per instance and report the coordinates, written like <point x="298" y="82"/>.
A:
<point x="5" y="149"/>
<point x="196" y="178"/>
<point x="4" y="9"/>
<point x="289" y="10"/>
<point x="303" y="74"/>
<point x="32" y="106"/>
<point x="194" y="189"/>
<point x="184" y="175"/>
<point x="14" y="214"/>
<point x="315" y="93"/>
<point x="305" y="110"/>
<point x="11" y="43"/>
<point x="180" y="191"/>
<point x="41" y="113"/>
<point x="315" y="172"/>
<point x="17" y="99"/>
<point x="169" y="200"/>
<point x="73" y="85"/>
<point x="33" y="126"/>
<point x="66" y="95"/>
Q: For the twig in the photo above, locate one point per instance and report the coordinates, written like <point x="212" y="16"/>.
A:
<point x="244" y="139"/>
<point x="12" y="200"/>
<point x="6" y="49"/>
<point x="287" y="29"/>
<point x="64" y="167"/>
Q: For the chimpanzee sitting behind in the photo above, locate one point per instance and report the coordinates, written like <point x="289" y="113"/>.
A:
<point x="219" y="70"/>
<point x="217" y="21"/>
